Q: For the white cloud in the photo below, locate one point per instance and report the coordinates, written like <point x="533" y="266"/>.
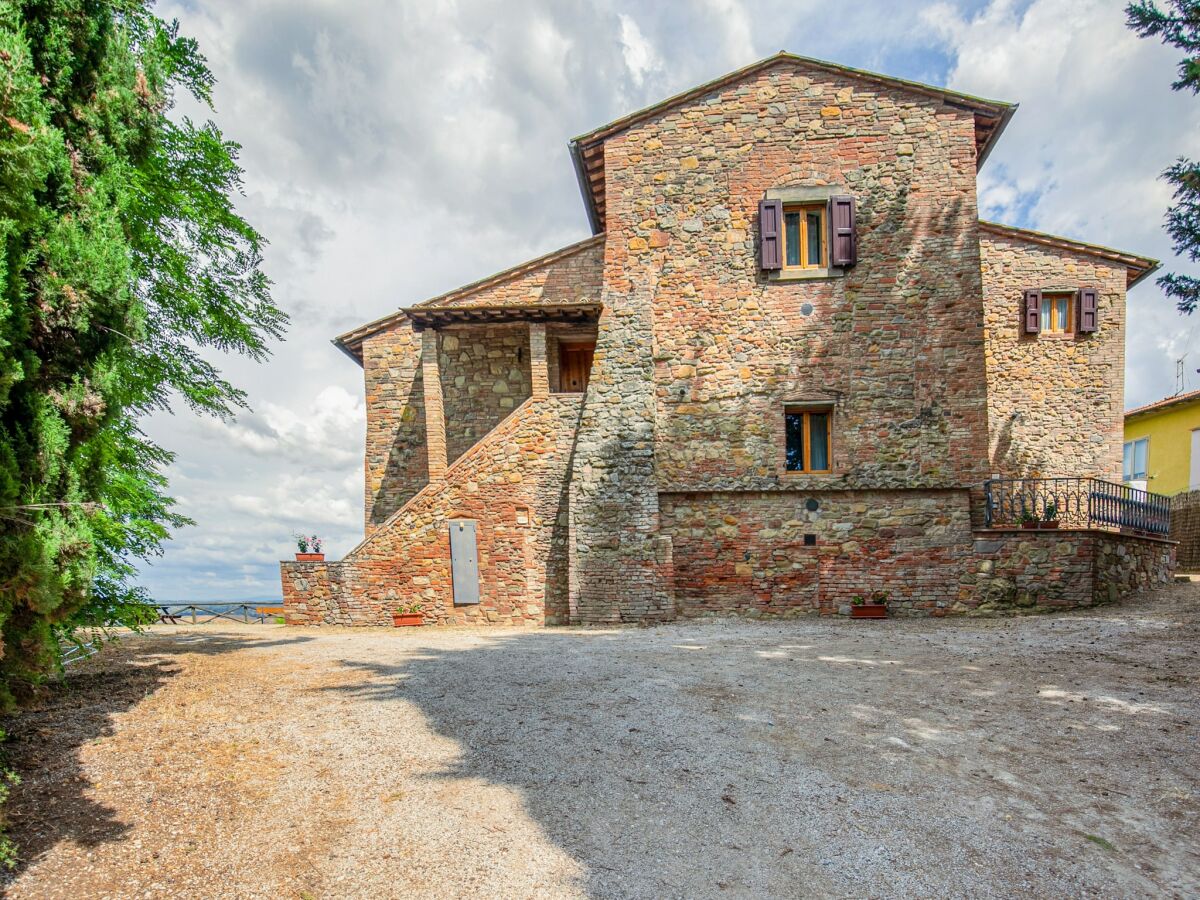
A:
<point x="640" y="55"/>
<point x="1097" y="123"/>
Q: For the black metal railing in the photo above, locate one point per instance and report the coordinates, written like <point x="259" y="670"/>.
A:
<point x="1075" y="503"/>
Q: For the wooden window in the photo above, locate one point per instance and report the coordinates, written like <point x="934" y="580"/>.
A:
<point x="808" y="440"/>
<point x="1058" y="312"/>
<point x="804" y="237"/>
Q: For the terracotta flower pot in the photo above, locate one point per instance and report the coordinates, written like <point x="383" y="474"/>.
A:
<point x="1050" y="523"/>
<point x="1031" y="525"/>
<point x="869" y="611"/>
<point x="310" y="557"/>
<point x="407" y="620"/>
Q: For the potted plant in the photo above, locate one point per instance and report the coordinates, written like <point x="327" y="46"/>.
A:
<point x="1050" y="516"/>
<point x="408" y="615"/>
<point x="873" y="607"/>
<point x="309" y="547"/>
<point x="1028" y="519"/>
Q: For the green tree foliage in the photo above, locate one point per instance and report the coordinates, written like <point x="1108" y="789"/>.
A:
<point x="1178" y="25"/>
<point x="122" y="262"/>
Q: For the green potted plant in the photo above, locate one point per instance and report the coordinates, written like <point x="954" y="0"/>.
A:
<point x="1028" y="519"/>
<point x="872" y="607"/>
<point x="1050" y="516"/>
<point x="408" y="615"/>
<point x="309" y="548"/>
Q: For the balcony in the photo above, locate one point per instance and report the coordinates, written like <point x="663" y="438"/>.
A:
<point x="1086" y="503"/>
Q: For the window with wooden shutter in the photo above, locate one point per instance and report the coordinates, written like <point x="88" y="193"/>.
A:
<point x="1033" y="311"/>
<point x="843" y="242"/>
<point x="1089" y="317"/>
<point x="770" y="238"/>
<point x="804" y="236"/>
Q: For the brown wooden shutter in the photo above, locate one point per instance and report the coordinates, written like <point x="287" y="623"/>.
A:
<point x="1033" y="311"/>
<point x="1089" y="316"/>
<point x="770" y="235"/>
<point x="843" y="242"/>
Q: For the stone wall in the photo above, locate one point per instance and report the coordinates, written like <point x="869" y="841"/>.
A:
<point x="513" y="485"/>
<point x="1054" y="403"/>
<point x="570" y="275"/>
<point x="894" y="343"/>
<point x="698" y="353"/>
<point x="746" y="553"/>
<point x="395" y="463"/>
<point x="1044" y="570"/>
<point x="485" y="374"/>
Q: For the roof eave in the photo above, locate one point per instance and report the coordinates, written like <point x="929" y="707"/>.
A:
<point x="965" y="100"/>
<point x="1146" y="273"/>
<point x="1133" y="263"/>
<point x="589" y="201"/>
<point x="994" y="137"/>
<point x="337" y="342"/>
<point x="1161" y="405"/>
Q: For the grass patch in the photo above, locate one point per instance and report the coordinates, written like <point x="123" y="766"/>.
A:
<point x="1100" y="842"/>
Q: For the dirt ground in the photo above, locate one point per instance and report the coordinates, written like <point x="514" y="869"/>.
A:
<point x="1030" y="757"/>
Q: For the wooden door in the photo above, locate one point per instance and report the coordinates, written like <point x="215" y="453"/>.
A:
<point x="574" y="366"/>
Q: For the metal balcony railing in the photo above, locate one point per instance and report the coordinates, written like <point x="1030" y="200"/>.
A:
<point x="1075" y="503"/>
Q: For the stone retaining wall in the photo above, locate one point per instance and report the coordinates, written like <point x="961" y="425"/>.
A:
<point x="1056" y="569"/>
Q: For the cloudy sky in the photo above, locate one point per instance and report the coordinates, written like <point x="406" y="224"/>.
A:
<point x="371" y="128"/>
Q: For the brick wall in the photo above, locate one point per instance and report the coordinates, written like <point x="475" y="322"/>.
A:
<point x="1054" y="404"/>
<point x="513" y="485"/>
<point x="745" y="552"/>
<point x="485" y="375"/>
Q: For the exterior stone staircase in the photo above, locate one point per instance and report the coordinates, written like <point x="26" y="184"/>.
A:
<point x="513" y="484"/>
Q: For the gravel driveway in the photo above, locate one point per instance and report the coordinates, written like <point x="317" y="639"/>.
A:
<point x="1033" y="757"/>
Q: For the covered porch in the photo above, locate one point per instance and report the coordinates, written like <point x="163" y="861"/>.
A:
<point x="479" y="363"/>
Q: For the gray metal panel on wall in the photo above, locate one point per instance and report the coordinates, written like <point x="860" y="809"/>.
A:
<point x="464" y="562"/>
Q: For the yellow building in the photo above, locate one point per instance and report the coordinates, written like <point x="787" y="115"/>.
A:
<point x="1162" y="445"/>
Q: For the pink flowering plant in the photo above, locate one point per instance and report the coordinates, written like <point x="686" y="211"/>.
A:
<point x="308" y="543"/>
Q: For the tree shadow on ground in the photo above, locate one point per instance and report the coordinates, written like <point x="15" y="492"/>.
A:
<point x="51" y="805"/>
<point x="794" y="762"/>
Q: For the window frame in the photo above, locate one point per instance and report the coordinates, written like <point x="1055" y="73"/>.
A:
<point x="806" y="438"/>
<point x="1049" y="299"/>
<point x="1131" y="446"/>
<point x="822" y="210"/>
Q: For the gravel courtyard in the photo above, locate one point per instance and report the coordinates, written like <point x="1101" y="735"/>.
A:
<point x="1032" y="757"/>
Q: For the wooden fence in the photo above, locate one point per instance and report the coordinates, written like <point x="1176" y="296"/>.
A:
<point x="1185" y="528"/>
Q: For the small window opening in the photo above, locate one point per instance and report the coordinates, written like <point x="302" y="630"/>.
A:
<point x="808" y="443"/>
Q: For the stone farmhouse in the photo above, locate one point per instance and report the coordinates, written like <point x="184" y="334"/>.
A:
<point x="790" y="366"/>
